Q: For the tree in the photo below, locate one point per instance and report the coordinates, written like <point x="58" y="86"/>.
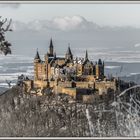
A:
<point x="4" y="44"/>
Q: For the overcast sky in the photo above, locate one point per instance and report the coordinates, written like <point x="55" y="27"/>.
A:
<point x="102" y="14"/>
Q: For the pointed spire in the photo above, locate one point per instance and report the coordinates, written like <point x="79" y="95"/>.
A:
<point x="86" y="56"/>
<point x="51" y="47"/>
<point x="69" y="55"/>
<point x="69" y="50"/>
<point x="37" y="55"/>
<point x="51" y="43"/>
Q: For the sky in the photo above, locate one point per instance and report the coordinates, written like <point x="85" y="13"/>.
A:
<point x="106" y="30"/>
<point x="102" y="14"/>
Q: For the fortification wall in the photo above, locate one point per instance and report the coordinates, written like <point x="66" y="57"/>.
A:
<point x="106" y="85"/>
<point x="28" y="85"/>
<point x="69" y="91"/>
<point x="40" y="84"/>
<point x="77" y="93"/>
<point x="78" y="84"/>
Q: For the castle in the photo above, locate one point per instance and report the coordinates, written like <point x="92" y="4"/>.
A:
<point x="56" y="67"/>
<point x="68" y="75"/>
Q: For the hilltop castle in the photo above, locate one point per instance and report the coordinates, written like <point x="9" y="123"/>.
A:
<point x="68" y="75"/>
<point x="57" y="67"/>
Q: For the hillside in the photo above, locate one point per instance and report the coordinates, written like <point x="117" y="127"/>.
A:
<point x="26" y="115"/>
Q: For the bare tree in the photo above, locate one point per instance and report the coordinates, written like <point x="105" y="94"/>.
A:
<point x="4" y="44"/>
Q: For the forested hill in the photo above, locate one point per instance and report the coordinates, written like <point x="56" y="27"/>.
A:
<point x="55" y="115"/>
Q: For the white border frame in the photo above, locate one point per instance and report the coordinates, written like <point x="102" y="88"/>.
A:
<point x="70" y="2"/>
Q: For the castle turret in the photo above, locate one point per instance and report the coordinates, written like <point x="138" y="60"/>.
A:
<point x="69" y="55"/>
<point x="37" y="60"/>
<point x="37" y="57"/>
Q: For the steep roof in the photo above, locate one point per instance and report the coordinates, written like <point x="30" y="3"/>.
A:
<point x="86" y="59"/>
<point x="37" y="55"/>
<point x="69" y="51"/>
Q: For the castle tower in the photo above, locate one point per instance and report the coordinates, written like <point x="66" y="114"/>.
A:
<point x="68" y="54"/>
<point x="51" y="48"/>
<point x="100" y="69"/>
<point x="37" y="60"/>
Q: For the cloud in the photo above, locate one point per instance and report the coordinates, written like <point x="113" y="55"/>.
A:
<point x="10" y="5"/>
<point x="66" y="23"/>
<point x="72" y="23"/>
<point x="19" y="26"/>
<point x="137" y="45"/>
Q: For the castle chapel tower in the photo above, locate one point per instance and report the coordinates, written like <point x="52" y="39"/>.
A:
<point x="50" y="53"/>
<point x="49" y="56"/>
